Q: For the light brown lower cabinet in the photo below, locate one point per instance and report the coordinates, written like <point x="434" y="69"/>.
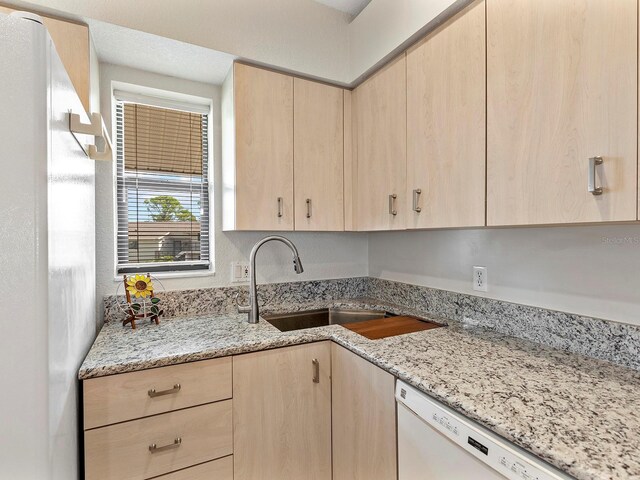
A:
<point x="315" y="411"/>
<point x="126" y="396"/>
<point x="364" y="418"/>
<point x="221" y="469"/>
<point x="282" y="413"/>
<point x="174" y="421"/>
<point x="159" y="444"/>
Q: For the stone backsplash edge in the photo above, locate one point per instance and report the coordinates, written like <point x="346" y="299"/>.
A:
<point x="594" y="337"/>
<point x="615" y="342"/>
<point x="178" y="303"/>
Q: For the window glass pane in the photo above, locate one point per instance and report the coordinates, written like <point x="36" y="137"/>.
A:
<point x="163" y="191"/>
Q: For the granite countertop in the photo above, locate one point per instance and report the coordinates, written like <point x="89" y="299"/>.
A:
<point x="577" y="413"/>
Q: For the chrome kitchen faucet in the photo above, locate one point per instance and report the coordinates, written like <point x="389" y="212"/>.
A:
<point x="252" y="308"/>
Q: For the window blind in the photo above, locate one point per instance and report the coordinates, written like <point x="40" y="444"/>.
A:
<point x="162" y="189"/>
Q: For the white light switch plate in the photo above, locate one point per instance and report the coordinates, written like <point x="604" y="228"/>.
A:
<point x="239" y="272"/>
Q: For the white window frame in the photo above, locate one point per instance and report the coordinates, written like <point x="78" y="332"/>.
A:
<point x="121" y="91"/>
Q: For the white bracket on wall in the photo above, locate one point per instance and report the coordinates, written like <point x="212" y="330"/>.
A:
<point x="98" y="130"/>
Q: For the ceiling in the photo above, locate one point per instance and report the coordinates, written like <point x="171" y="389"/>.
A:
<point x="156" y="54"/>
<point x="306" y="36"/>
<point x="165" y="56"/>
<point x="352" y="7"/>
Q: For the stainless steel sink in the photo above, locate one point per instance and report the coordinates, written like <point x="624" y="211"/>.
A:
<point x="319" y="318"/>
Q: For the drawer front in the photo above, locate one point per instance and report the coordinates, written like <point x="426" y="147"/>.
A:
<point x="221" y="469"/>
<point x="127" y="396"/>
<point x="122" y="451"/>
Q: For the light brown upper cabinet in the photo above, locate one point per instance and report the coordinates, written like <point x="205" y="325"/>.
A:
<point x="350" y="164"/>
<point x="446" y="124"/>
<point x="72" y="44"/>
<point x="281" y="135"/>
<point x="282" y="413"/>
<point x="318" y="156"/>
<point x="258" y="150"/>
<point x="381" y="115"/>
<point x="561" y="92"/>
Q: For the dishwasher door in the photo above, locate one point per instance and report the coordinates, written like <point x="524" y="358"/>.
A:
<point x="425" y="453"/>
<point x="437" y="443"/>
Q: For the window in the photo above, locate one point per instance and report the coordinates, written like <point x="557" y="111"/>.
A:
<point x="162" y="188"/>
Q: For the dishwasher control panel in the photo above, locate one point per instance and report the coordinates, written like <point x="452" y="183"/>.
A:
<point x="502" y="456"/>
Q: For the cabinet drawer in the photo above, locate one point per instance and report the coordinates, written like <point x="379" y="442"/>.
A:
<point x="122" y="452"/>
<point x="221" y="469"/>
<point x="127" y="396"/>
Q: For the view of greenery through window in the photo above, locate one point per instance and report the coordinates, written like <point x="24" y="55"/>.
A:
<point x="165" y="208"/>
<point x="162" y="188"/>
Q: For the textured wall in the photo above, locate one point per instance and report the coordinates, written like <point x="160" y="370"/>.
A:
<point x="588" y="270"/>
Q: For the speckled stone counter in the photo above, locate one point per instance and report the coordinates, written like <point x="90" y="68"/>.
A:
<point x="577" y="413"/>
<point x="599" y="338"/>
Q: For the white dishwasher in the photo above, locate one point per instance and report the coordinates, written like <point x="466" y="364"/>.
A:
<point x="435" y="443"/>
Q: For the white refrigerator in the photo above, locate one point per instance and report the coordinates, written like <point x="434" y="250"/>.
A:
<point x="47" y="258"/>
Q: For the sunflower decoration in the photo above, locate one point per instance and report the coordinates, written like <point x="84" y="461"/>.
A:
<point x="140" y="286"/>
<point x="141" y="301"/>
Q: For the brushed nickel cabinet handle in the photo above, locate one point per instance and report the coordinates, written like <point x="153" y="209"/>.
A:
<point x="153" y="448"/>
<point x="308" y="208"/>
<point x="591" y="186"/>
<point x="316" y="370"/>
<point x="153" y="393"/>
<point x="392" y="204"/>
<point x="279" y="207"/>
<point x="416" y="196"/>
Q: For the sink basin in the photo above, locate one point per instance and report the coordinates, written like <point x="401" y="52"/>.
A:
<point x="320" y="318"/>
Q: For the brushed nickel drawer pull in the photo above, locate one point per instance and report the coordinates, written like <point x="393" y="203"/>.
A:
<point x="176" y="388"/>
<point x="153" y="448"/>
<point x="392" y="204"/>
<point x="316" y="370"/>
<point x="279" y="207"/>
<point x="308" y="208"/>
<point x="591" y="186"/>
<point x="416" y="195"/>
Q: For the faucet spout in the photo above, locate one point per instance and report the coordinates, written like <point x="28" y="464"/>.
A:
<point x="252" y="309"/>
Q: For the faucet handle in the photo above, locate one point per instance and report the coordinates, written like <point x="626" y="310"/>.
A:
<point x="242" y="308"/>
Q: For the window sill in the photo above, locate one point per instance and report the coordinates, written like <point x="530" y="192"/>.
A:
<point x="185" y="274"/>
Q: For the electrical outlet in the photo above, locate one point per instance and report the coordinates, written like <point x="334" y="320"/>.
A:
<point x="239" y="272"/>
<point x="480" y="281"/>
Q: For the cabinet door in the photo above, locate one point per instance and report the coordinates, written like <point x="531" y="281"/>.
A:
<point x="318" y="156"/>
<point x="72" y="44"/>
<point x="380" y="108"/>
<point x="350" y="165"/>
<point x="561" y="88"/>
<point x="281" y="416"/>
<point x="264" y="149"/>
<point x="446" y="124"/>
<point x="363" y="417"/>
